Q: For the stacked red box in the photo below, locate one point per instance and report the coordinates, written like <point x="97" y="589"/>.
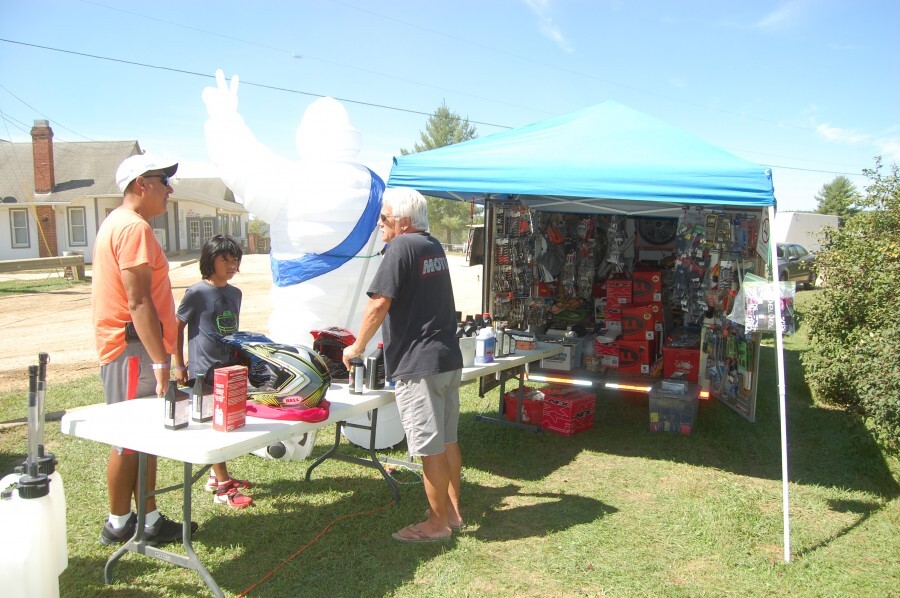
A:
<point x="681" y="361"/>
<point x="229" y="398"/>
<point x="638" y="322"/>
<point x="568" y="410"/>
<point x="626" y="356"/>
<point x="532" y="405"/>
<point x="646" y="287"/>
<point x="618" y="291"/>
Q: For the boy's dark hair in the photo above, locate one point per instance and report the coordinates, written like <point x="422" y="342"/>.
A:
<point x="216" y="246"/>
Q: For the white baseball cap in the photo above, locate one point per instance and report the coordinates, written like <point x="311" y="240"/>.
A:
<point x="133" y="167"/>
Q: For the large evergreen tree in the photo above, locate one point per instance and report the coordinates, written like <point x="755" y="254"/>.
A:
<point x="838" y="197"/>
<point x="448" y="219"/>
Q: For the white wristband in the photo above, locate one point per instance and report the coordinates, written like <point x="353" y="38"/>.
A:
<point x="161" y="366"/>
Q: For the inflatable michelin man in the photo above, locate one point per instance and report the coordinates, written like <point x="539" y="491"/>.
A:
<point x="322" y="211"/>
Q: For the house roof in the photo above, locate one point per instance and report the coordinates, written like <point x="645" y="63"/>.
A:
<point x="80" y="168"/>
<point x="87" y="168"/>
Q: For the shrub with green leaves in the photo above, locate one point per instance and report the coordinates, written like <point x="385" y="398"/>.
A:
<point x="854" y="323"/>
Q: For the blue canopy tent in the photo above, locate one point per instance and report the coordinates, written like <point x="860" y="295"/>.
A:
<point x="605" y="159"/>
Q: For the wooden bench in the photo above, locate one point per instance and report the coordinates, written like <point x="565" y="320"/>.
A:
<point x="72" y="263"/>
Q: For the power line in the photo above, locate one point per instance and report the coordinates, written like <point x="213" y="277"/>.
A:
<point x="312" y="94"/>
<point x="55" y="122"/>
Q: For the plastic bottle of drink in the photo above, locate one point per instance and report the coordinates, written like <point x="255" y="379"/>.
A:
<point x="484" y="346"/>
<point x="375" y="368"/>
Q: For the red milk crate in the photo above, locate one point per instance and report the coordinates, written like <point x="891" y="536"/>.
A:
<point x="568" y="410"/>
<point x="638" y="322"/>
<point x="532" y="405"/>
<point x="646" y="287"/>
<point x="229" y="398"/>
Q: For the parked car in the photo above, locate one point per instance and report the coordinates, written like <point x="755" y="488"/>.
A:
<point x="796" y="263"/>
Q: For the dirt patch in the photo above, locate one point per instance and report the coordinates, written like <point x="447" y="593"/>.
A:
<point x="59" y="322"/>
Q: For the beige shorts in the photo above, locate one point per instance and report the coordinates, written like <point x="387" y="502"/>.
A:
<point x="429" y="411"/>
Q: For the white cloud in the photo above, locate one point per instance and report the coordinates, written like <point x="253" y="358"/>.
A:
<point x="842" y="135"/>
<point x="890" y="149"/>
<point x="541" y="8"/>
<point x="784" y="16"/>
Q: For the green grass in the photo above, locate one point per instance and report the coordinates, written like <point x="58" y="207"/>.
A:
<point x="51" y="282"/>
<point x="615" y="511"/>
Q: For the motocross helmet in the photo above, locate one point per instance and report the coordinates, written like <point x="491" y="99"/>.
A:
<point x="284" y="375"/>
<point x="330" y="343"/>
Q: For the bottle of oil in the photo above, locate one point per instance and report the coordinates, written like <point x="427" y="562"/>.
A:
<point x="375" y="368"/>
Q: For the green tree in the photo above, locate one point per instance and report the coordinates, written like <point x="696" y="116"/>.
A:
<point x="838" y="197"/>
<point x="447" y="218"/>
<point x="854" y="322"/>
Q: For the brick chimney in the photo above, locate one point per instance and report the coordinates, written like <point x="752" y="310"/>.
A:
<point x="42" y="146"/>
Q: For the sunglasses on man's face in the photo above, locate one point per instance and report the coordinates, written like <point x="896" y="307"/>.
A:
<point x="385" y="218"/>
<point x="164" y="179"/>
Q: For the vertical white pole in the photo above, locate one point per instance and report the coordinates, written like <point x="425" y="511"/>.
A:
<point x="782" y="401"/>
<point x="362" y="277"/>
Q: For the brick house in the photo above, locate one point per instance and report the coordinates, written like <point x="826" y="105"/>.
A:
<point x="53" y="198"/>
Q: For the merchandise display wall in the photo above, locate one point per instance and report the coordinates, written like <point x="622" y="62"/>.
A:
<point x="646" y="297"/>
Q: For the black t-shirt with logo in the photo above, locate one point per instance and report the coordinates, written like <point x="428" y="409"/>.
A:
<point x="420" y="328"/>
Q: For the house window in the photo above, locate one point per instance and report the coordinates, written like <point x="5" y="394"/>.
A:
<point x="77" y="228"/>
<point x="194" y="234"/>
<point x="236" y="227"/>
<point x="207" y="229"/>
<point x="18" y="221"/>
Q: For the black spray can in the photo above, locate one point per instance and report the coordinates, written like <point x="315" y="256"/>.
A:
<point x="375" y="368"/>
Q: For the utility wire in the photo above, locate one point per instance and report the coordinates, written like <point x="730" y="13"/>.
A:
<point x="55" y="122"/>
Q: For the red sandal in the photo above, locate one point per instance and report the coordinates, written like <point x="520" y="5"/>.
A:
<point x="230" y="494"/>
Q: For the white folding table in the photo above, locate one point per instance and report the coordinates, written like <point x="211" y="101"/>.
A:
<point x="138" y="425"/>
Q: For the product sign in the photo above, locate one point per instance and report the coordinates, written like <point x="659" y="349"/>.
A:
<point x="763" y="238"/>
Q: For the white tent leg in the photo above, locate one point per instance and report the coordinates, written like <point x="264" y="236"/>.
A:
<point x="362" y="277"/>
<point x="782" y="400"/>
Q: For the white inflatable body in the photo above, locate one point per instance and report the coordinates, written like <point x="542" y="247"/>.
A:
<point x="311" y="205"/>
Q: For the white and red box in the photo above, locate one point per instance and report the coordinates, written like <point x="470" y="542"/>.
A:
<point x="568" y="410"/>
<point x="646" y="286"/>
<point x="229" y="398"/>
<point x="626" y="356"/>
<point x="681" y="361"/>
<point x="638" y="322"/>
<point x="618" y="291"/>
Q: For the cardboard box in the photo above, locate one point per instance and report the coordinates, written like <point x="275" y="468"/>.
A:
<point x="646" y="286"/>
<point x="229" y="398"/>
<point x="638" y="322"/>
<point x="532" y="405"/>
<point x="568" y="410"/>
<point x="679" y="361"/>
<point x="563" y="362"/>
<point x="618" y="291"/>
<point x="626" y="356"/>
<point x="673" y="408"/>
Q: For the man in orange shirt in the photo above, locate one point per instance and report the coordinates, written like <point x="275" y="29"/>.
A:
<point x="135" y="330"/>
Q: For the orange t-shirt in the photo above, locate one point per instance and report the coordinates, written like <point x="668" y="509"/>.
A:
<point x="125" y="240"/>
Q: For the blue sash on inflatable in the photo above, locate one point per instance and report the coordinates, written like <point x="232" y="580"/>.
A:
<point x="289" y="272"/>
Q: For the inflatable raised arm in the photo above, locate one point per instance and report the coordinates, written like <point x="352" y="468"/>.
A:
<point x="322" y="211"/>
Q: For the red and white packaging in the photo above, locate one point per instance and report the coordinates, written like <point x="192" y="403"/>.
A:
<point x="229" y="398"/>
<point x="635" y="356"/>
<point x="646" y="286"/>
<point x="568" y="410"/>
<point x="638" y="322"/>
<point x="618" y="291"/>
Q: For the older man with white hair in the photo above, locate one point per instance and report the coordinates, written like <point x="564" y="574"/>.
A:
<point x="412" y="294"/>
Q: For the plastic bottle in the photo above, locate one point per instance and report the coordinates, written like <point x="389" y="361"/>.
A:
<point x="470" y="328"/>
<point x="375" y="368"/>
<point x="484" y="346"/>
<point x="486" y="318"/>
<point x="201" y="403"/>
<point x="178" y="408"/>
<point x="357" y="376"/>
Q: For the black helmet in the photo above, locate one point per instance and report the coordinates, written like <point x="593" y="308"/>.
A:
<point x="330" y="343"/>
<point x="284" y="375"/>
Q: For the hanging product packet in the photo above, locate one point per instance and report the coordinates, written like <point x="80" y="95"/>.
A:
<point x="754" y="305"/>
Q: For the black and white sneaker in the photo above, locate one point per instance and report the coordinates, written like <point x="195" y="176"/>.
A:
<point x="166" y="531"/>
<point x="110" y="535"/>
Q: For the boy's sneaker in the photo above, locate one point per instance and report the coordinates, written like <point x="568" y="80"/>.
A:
<point x="166" y="531"/>
<point x="212" y="485"/>
<point x="110" y="535"/>
<point x="230" y="494"/>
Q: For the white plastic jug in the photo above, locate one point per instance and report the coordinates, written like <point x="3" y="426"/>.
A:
<point x="484" y="346"/>
<point x="28" y="557"/>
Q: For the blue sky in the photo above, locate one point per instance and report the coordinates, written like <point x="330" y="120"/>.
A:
<point x="809" y="87"/>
